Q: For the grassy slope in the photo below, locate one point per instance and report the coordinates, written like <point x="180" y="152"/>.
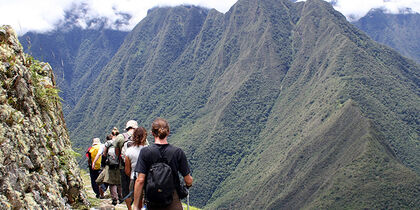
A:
<point x="302" y="111"/>
<point x="255" y="96"/>
<point x="132" y="72"/>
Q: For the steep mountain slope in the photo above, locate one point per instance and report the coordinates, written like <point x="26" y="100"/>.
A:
<point x="399" y="31"/>
<point x="277" y="105"/>
<point x="76" y="55"/>
<point x="38" y="170"/>
<point x="145" y="58"/>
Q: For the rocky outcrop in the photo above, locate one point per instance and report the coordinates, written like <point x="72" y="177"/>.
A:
<point x="37" y="165"/>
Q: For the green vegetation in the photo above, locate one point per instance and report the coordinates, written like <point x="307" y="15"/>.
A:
<point x="380" y="175"/>
<point x="184" y="205"/>
<point x="45" y="93"/>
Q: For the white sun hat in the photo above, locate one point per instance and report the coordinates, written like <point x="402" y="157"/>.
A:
<point x="131" y="124"/>
<point x="96" y="141"/>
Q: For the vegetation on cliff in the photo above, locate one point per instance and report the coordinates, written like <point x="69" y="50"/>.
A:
<point x="38" y="168"/>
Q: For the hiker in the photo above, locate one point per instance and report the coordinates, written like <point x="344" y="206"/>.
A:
<point x="102" y="158"/>
<point x="131" y="156"/>
<point x="115" y="133"/>
<point x="122" y="143"/>
<point x="94" y="169"/>
<point x="111" y="173"/>
<point x="154" y="155"/>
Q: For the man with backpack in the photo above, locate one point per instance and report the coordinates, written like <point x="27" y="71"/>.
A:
<point x="157" y="167"/>
<point x="122" y="143"/>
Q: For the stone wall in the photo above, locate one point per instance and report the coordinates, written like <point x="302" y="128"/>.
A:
<point x="37" y="165"/>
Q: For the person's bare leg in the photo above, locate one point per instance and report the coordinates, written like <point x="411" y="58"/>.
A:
<point x="128" y="203"/>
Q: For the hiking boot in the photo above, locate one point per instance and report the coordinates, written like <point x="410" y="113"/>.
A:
<point x="114" y="202"/>
<point x="101" y="193"/>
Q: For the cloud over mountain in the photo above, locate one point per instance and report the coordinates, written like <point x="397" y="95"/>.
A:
<point x="355" y="9"/>
<point x="42" y="16"/>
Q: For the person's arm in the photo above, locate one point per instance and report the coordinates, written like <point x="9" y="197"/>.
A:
<point x="184" y="169"/>
<point x="188" y="180"/>
<point x="127" y="167"/>
<point x="138" y="191"/>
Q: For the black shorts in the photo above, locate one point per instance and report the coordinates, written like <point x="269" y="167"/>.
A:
<point x="125" y="183"/>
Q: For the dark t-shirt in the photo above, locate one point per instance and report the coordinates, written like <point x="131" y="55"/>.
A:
<point x="178" y="162"/>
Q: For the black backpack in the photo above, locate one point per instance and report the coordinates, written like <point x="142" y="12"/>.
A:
<point x="160" y="184"/>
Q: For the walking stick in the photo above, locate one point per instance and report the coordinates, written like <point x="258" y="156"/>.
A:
<point x="188" y="200"/>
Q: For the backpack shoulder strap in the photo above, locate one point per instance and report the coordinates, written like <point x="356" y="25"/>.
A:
<point x="154" y="150"/>
<point x="168" y="153"/>
<point x="88" y="152"/>
<point x="128" y="142"/>
<point x="108" y="143"/>
<point x="126" y="137"/>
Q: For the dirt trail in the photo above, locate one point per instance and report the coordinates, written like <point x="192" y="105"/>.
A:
<point x="102" y="204"/>
<point x="106" y="204"/>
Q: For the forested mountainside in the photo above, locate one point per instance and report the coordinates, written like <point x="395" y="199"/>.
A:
<point x="278" y="105"/>
<point x="38" y="169"/>
<point x="76" y="55"/>
<point x="399" y="31"/>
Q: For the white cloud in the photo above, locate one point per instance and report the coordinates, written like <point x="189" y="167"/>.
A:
<point x="26" y="15"/>
<point x="44" y="15"/>
<point x="355" y="9"/>
<point x="138" y="9"/>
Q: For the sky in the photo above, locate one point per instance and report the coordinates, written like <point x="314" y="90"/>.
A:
<point x="46" y="15"/>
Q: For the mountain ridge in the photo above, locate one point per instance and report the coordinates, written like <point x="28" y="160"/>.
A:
<point x="303" y="100"/>
<point x="398" y="31"/>
<point x="257" y="83"/>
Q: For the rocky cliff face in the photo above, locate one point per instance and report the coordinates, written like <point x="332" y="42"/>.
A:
<point x="37" y="167"/>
